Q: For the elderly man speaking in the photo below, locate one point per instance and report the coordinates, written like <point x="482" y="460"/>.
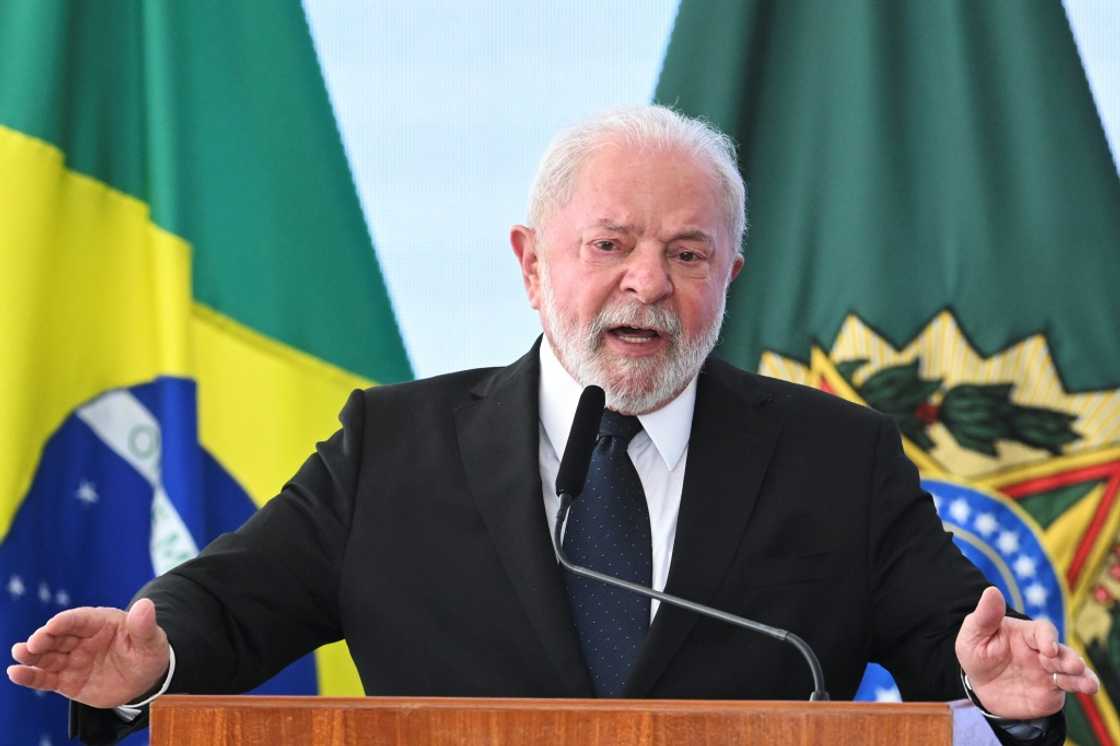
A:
<point x="420" y="531"/>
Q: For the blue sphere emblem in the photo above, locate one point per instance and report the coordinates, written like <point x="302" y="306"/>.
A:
<point x="1003" y="542"/>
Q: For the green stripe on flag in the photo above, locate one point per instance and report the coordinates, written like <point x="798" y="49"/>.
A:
<point x="216" y="115"/>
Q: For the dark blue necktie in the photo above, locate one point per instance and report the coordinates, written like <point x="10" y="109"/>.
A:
<point x="608" y="530"/>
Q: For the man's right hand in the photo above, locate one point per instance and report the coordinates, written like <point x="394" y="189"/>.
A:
<point x="101" y="657"/>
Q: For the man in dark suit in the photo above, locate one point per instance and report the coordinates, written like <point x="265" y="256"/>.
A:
<point x="420" y="531"/>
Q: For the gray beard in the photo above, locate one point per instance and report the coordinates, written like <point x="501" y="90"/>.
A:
<point x="632" y="385"/>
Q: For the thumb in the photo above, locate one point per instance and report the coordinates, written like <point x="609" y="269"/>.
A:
<point x="141" y="623"/>
<point x="985" y="620"/>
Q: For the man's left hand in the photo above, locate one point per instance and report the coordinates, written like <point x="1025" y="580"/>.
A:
<point x="1017" y="668"/>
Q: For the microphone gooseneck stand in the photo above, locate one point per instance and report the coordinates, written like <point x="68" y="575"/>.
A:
<point x="569" y="483"/>
<point x="819" y="692"/>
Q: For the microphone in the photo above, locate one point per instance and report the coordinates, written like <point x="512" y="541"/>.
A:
<point x="581" y="442"/>
<point x="569" y="484"/>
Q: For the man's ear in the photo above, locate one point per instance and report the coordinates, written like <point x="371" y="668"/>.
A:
<point x="736" y="267"/>
<point x="525" y="247"/>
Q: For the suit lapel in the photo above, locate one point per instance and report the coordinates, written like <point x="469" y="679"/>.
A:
<point x="499" y="441"/>
<point x="732" y="439"/>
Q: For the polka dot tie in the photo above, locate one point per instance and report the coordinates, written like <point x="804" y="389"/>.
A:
<point x="608" y="530"/>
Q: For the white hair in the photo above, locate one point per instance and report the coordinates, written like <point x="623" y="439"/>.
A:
<point x="651" y="126"/>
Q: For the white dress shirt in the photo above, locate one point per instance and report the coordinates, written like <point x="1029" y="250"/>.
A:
<point x="659" y="453"/>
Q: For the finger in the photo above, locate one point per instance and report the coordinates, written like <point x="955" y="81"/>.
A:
<point x="141" y="622"/>
<point x="985" y="620"/>
<point x="1085" y="683"/>
<point x="1094" y="683"/>
<point x="53" y="662"/>
<point x="33" y="678"/>
<point x="67" y="644"/>
<point x="1041" y="635"/>
<point x="40" y="641"/>
<point x="1065" y="662"/>
<point x="1070" y="662"/>
<point x="85" y="621"/>
<point x="21" y="654"/>
<point x="44" y="644"/>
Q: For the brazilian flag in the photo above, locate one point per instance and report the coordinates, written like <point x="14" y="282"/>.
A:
<point x="189" y="293"/>
<point x="934" y="227"/>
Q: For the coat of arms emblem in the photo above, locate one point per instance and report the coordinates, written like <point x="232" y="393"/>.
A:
<point x="1025" y="473"/>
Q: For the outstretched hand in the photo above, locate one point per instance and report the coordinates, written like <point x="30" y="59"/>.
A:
<point x="101" y="657"/>
<point x="1017" y="668"/>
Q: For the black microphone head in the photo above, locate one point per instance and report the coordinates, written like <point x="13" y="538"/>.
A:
<point x="581" y="442"/>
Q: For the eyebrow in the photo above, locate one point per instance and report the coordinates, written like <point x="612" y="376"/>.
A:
<point x="692" y="234"/>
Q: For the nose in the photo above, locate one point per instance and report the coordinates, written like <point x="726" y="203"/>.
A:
<point x="647" y="276"/>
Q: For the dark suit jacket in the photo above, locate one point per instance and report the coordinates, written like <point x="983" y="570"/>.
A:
<point x="417" y="532"/>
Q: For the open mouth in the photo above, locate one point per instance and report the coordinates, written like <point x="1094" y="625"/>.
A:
<point x="634" y="335"/>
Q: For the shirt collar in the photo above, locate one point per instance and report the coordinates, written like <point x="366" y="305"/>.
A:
<point x="668" y="427"/>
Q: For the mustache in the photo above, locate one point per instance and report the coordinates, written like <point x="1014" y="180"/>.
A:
<point x="658" y="318"/>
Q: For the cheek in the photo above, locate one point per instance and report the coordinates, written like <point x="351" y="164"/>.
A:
<point x="698" y="310"/>
<point x="588" y="296"/>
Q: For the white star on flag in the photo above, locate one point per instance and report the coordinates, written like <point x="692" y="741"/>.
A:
<point x="1008" y="542"/>
<point x="888" y="695"/>
<point x="1024" y="566"/>
<point x="1036" y="594"/>
<point x="986" y="523"/>
<point x="87" y="493"/>
<point x="62" y="598"/>
<point x="959" y="510"/>
<point x="44" y="592"/>
<point x="15" y="587"/>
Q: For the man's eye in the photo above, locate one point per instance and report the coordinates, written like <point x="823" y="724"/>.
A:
<point x="688" y="256"/>
<point x="605" y="245"/>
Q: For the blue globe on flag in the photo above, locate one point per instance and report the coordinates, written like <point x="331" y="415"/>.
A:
<point x="1000" y="539"/>
<point x="123" y="492"/>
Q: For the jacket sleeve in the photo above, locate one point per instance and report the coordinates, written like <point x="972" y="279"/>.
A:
<point x="256" y="599"/>
<point x="921" y="585"/>
<point x="922" y="588"/>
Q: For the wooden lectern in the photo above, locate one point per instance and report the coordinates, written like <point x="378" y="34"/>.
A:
<point x="420" y="721"/>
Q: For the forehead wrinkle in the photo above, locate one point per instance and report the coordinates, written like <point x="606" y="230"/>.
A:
<point x="613" y="225"/>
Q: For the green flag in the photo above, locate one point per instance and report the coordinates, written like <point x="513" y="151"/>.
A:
<point x="934" y="225"/>
<point x="190" y="294"/>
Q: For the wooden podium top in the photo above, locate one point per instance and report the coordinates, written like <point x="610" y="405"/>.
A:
<point x="326" y="721"/>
